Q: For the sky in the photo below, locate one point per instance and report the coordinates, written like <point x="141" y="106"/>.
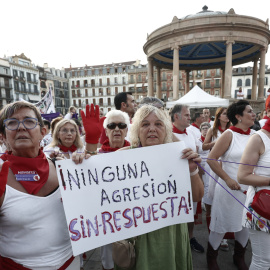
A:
<point x="87" y="32"/>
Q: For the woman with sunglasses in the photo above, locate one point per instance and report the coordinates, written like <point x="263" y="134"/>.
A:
<point x="116" y="128"/>
<point x="33" y="229"/>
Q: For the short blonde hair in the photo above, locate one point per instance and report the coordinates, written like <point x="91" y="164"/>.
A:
<point x="56" y="141"/>
<point x="140" y="115"/>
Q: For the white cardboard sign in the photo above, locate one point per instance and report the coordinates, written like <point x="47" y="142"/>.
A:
<point x="118" y="195"/>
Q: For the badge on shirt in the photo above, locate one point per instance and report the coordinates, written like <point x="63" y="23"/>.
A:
<point x="27" y="176"/>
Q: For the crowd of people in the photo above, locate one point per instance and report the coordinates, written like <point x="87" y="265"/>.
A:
<point x="218" y="153"/>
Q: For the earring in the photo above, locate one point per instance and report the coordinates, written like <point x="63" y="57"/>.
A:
<point x="240" y="120"/>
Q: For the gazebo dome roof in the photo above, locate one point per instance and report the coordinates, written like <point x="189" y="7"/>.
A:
<point x="205" y="12"/>
<point x="202" y="40"/>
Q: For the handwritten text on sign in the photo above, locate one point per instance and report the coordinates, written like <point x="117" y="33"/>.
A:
<point x="118" y="195"/>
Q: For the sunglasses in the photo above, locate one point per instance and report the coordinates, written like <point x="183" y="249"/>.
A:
<point x="114" y="125"/>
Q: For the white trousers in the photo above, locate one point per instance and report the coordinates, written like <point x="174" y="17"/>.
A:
<point x="260" y="243"/>
<point x="215" y="238"/>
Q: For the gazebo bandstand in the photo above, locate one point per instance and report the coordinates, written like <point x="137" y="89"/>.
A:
<point x="208" y="40"/>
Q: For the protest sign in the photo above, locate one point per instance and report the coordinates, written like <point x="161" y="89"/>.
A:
<point x="45" y="105"/>
<point x="118" y="195"/>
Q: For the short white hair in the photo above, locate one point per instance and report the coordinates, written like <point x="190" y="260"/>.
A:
<point x="115" y="113"/>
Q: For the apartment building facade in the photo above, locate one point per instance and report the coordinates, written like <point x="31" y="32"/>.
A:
<point x="25" y="78"/>
<point x="98" y="84"/>
<point x="6" y="89"/>
<point x="242" y="79"/>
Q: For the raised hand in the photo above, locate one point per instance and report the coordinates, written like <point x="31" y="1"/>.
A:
<point x="92" y="123"/>
<point x="4" y="177"/>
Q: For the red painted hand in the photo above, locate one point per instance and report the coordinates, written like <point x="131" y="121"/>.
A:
<point x="92" y="123"/>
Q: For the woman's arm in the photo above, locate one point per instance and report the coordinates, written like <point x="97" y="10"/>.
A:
<point x="254" y="149"/>
<point x="221" y="146"/>
<point x="208" y="144"/>
<point x="197" y="187"/>
<point x="3" y="180"/>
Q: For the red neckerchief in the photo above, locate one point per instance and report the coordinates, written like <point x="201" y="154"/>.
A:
<point x="65" y="149"/>
<point x="239" y="130"/>
<point x="176" y="130"/>
<point x="266" y="117"/>
<point x="267" y="125"/>
<point x="220" y="129"/>
<point x="202" y="138"/>
<point x="32" y="173"/>
<point x="194" y="125"/>
<point x="106" y="147"/>
<point x="209" y="120"/>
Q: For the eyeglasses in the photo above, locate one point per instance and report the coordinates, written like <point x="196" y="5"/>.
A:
<point x="28" y="123"/>
<point x="114" y="125"/>
<point x="66" y="131"/>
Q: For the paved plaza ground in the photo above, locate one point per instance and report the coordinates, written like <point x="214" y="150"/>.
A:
<point x="225" y="258"/>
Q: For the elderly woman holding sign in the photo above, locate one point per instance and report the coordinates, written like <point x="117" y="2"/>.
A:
<point x="166" y="248"/>
<point x="33" y="229"/>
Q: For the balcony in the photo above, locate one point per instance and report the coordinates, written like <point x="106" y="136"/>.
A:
<point x="6" y="85"/>
<point x="32" y="80"/>
<point x="5" y="74"/>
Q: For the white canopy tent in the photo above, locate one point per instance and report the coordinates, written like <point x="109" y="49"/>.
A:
<point x="198" y="98"/>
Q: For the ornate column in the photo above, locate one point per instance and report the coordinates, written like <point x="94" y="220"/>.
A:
<point x="175" y="72"/>
<point x="254" y="80"/>
<point x="261" y="74"/>
<point x="187" y="81"/>
<point x="228" y="70"/>
<point x="158" y="92"/>
<point x="150" y="92"/>
<point x="222" y="82"/>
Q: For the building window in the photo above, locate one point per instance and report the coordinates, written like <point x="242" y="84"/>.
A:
<point x="208" y="73"/>
<point x="266" y="81"/>
<point x="218" y="72"/>
<point x="216" y="92"/>
<point x="164" y="76"/>
<point x="164" y="86"/>
<point x="239" y="82"/>
<point x="247" y="82"/>
<point x="217" y="83"/>
<point x="207" y="83"/>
